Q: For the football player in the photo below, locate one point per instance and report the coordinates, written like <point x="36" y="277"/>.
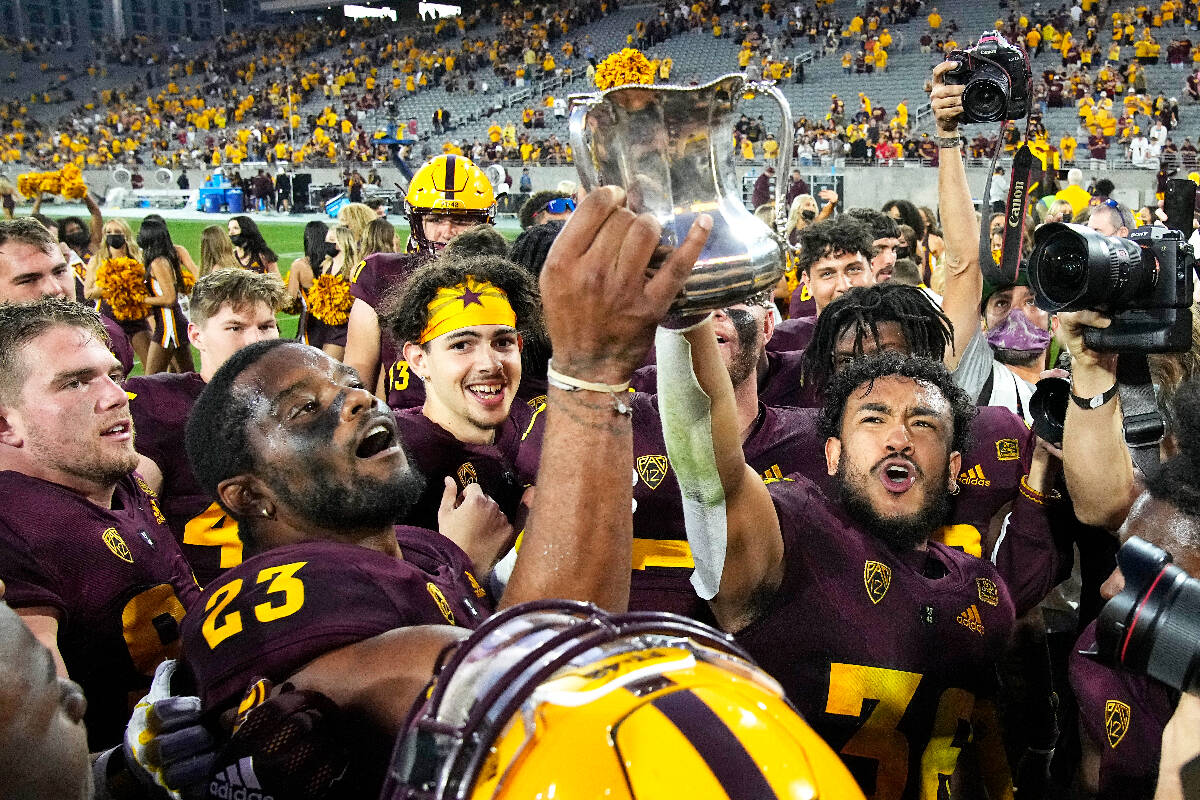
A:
<point x="32" y="266"/>
<point x="778" y="441"/>
<point x="835" y="255"/>
<point x="462" y="322"/>
<point x="230" y="308"/>
<point x="447" y="196"/>
<point x="311" y="467"/>
<point x="872" y="628"/>
<point x="89" y="561"/>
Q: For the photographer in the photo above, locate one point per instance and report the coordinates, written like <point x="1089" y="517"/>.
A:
<point x="1123" y="713"/>
<point x="998" y="364"/>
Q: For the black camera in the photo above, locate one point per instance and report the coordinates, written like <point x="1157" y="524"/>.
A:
<point x="1144" y="282"/>
<point x="1153" y="625"/>
<point x="997" y="77"/>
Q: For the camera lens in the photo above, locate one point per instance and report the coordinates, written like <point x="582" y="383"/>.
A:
<point x="1151" y="626"/>
<point x="1062" y="268"/>
<point x="1073" y="267"/>
<point x="986" y="97"/>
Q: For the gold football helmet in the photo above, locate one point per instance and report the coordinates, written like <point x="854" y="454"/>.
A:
<point x="448" y="184"/>
<point x="560" y="699"/>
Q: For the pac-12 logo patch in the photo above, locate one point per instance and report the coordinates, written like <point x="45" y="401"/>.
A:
<point x="467" y="475"/>
<point x="988" y="592"/>
<point x="652" y="469"/>
<point x="117" y="545"/>
<point x="1116" y="721"/>
<point x="1008" y="450"/>
<point x="877" y="577"/>
<point x="442" y="604"/>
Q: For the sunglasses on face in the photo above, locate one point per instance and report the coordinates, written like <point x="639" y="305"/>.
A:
<point x="560" y="205"/>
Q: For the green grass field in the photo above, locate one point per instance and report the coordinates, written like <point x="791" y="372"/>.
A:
<point x="286" y="238"/>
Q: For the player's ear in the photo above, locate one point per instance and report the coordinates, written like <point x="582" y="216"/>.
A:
<point x="768" y="324"/>
<point x="10" y="433"/>
<point x="833" y="455"/>
<point x="194" y="335"/>
<point x="243" y="495"/>
<point x="417" y="357"/>
<point x="955" y="466"/>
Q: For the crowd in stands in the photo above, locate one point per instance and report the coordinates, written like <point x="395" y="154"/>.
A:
<point x="240" y="99"/>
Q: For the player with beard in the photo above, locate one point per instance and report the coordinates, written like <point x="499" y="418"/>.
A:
<point x="312" y="464"/>
<point x="230" y="308"/>
<point x="872" y="628"/>
<point x="447" y="196"/>
<point x="32" y="266"/>
<point x="463" y="322"/>
<point x="87" y="557"/>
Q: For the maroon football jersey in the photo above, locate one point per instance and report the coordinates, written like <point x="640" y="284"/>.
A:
<point x="118" y="343"/>
<point x="1122" y="715"/>
<point x="883" y="653"/>
<point x="160" y="405"/>
<point x="370" y="282"/>
<point x="438" y="454"/>
<point x="662" y="559"/>
<point x="116" y="578"/>
<point x="281" y="609"/>
<point x="778" y="384"/>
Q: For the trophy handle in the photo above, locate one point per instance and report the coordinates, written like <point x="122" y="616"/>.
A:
<point x="577" y="126"/>
<point x="783" y="160"/>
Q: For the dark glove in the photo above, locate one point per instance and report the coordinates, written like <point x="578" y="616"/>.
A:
<point x="287" y="746"/>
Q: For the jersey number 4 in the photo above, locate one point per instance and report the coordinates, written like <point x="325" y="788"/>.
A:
<point x="219" y="626"/>
<point x="886" y="695"/>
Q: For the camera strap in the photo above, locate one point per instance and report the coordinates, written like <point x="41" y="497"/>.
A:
<point x="1014" y="217"/>
<point x="1139" y="410"/>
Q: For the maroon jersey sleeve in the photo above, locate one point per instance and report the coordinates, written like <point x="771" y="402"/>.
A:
<point x="115" y="579"/>
<point x="1122" y="716"/>
<point x="281" y="609"/>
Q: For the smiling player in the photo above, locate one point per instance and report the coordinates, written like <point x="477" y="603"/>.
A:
<point x="463" y="322"/>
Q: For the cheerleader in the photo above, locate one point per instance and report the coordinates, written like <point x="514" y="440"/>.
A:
<point x="118" y="242"/>
<point x="165" y="285"/>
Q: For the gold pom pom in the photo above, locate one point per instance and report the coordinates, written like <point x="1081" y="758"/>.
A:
<point x="329" y="299"/>
<point x="123" y="284"/>
<point x="627" y="67"/>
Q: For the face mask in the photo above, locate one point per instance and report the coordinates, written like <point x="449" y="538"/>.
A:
<point x="808" y="214"/>
<point x="78" y="240"/>
<point x="238" y="239"/>
<point x="115" y="241"/>
<point x="1018" y="332"/>
<point x="331" y="250"/>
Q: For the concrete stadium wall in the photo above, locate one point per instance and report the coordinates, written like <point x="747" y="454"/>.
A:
<point x="862" y="186"/>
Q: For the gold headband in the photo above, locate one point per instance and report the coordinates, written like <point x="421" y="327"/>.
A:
<point x="468" y="304"/>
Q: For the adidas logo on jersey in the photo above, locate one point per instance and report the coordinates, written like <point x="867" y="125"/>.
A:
<point x="238" y="782"/>
<point x="974" y="476"/>
<point x="970" y="619"/>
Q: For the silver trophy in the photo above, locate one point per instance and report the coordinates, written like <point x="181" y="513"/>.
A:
<point x="671" y="149"/>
